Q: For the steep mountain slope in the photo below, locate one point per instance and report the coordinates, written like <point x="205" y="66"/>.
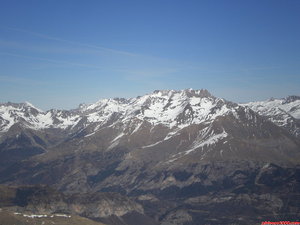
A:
<point x="181" y="154"/>
<point x="155" y="119"/>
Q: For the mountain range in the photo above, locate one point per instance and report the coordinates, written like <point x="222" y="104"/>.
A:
<point x="173" y="157"/>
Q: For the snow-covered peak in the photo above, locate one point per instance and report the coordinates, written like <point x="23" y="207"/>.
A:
<point x="291" y="98"/>
<point x="28" y="104"/>
<point x="283" y="112"/>
<point x="171" y="108"/>
<point x="28" y="115"/>
<point x="113" y="103"/>
<point x="186" y="92"/>
<point x="289" y="105"/>
<point x="168" y="107"/>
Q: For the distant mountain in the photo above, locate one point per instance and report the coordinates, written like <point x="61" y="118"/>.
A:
<point x="283" y="112"/>
<point x="161" y="107"/>
<point x="185" y="156"/>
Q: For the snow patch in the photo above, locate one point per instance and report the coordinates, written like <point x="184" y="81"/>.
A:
<point x="43" y="216"/>
<point x="156" y="143"/>
<point x="136" y="128"/>
<point x="88" y="135"/>
<point x="34" y="216"/>
<point x="118" y="137"/>
<point x="207" y="142"/>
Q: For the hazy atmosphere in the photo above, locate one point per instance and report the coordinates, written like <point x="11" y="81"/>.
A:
<point x="157" y="112"/>
<point x="57" y="54"/>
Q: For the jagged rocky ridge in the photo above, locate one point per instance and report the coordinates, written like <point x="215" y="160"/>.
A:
<point x="182" y="154"/>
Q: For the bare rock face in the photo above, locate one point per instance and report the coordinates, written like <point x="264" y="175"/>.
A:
<point x="183" y="157"/>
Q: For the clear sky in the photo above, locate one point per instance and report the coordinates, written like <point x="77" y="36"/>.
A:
<point x="59" y="53"/>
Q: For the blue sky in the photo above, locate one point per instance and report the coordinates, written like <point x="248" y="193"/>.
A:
<point x="59" y="53"/>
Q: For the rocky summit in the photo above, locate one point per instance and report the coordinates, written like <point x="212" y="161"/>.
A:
<point x="170" y="157"/>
